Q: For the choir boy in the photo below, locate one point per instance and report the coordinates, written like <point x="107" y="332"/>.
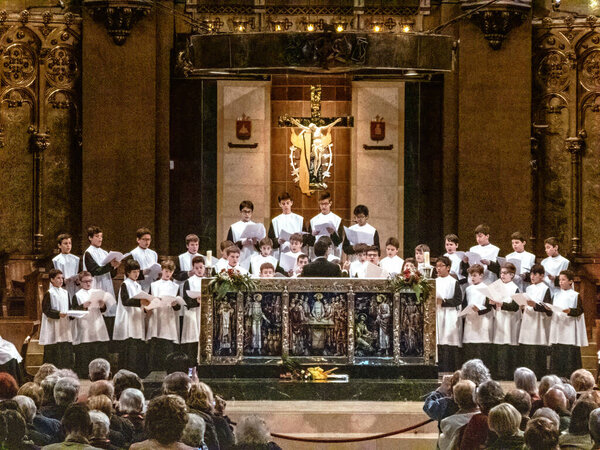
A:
<point x="300" y="263"/>
<point x="392" y="263"/>
<point x="420" y="251"/>
<point x="410" y="264"/>
<point x="145" y="256"/>
<point x="267" y="270"/>
<point x="506" y="326"/>
<point x="130" y="327"/>
<point x="478" y="329"/>
<point x="55" y="332"/>
<point x="488" y="253"/>
<point x="233" y="258"/>
<point x="358" y="267"/>
<point x="90" y="334"/>
<point x="247" y="245"/>
<point x="553" y="264"/>
<point x="286" y="221"/>
<point x="527" y="260"/>
<point x="361" y="217"/>
<point x="162" y="333"/>
<point x="335" y="233"/>
<point x="222" y="262"/>
<point x="103" y="275"/>
<point x="449" y="325"/>
<point x="190" y="331"/>
<point x="67" y="263"/>
<point x="535" y="325"/>
<point x="183" y="268"/>
<point x="265" y="256"/>
<point x="373" y="255"/>
<point x="567" y="329"/>
<point x="294" y="251"/>
<point x="459" y="267"/>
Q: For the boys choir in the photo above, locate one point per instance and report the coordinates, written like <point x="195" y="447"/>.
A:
<point x="501" y="310"/>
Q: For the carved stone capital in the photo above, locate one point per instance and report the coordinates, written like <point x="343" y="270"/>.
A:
<point x="574" y="145"/>
<point x="496" y="20"/>
<point x="118" y="16"/>
<point x="39" y="141"/>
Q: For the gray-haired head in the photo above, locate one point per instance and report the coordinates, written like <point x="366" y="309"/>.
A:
<point x="570" y="393"/>
<point x="26" y="407"/>
<point x="100" y="424"/>
<point x="475" y="370"/>
<point x="526" y="380"/>
<point x="62" y="373"/>
<point x="547" y="382"/>
<point x="549" y="414"/>
<point x="489" y="394"/>
<point x="124" y="379"/>
<point x="66" y="390"/>
<point x="99" y="369"/>
<point x="504" y="420"/>
<point x="594" y="425"/>
<point x="131" y="401"/>
<point x="252" y="430"/>
<point x="48" y="388"/>
<point x="193" y="433"/>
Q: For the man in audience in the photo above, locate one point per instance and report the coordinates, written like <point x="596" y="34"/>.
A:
<point x="131" y="407"/>
<point x="99" y="369"/>
<point x="77" y="425"/>
<point x="66" y="390"/>
<point x="546" y="383"/>
<point x="594" y="427"/>
<point x="477" y="433"/>
<point x="124" y="379"/>
<point x="541" y="434"/>
<point x="555" y="399"/>
<point x="582" y="381"/>
<point x="440" y="404"/>
<point x="522" y="403"/>
<point x="100" y="431"/>
<point x="463" y="396"/>
<point x="578" y="435"/>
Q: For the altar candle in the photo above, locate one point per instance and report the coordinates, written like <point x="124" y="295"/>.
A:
<point x="209" y="258"/>
<point x="426" y="258"/>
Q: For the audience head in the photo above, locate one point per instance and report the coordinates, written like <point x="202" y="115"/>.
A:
<point x="321" y="248"/>
<point x="463" y="395"/>
<point x="166" y="418"/>
<point x="582" y="380"/>
<point x="101" y="403"/>
<point x="131" y="401"/>
<point x="99" y="369"/>
<point x="201" y="397"/>
<point x="44" y="370"/>
<point x="592" y="396"/>
<point x="48" y="389"/>
<point x="526" y="380"/>
<point x="76" y="420"/>
<point x="520" y="399"/>
<point x="33" y="391"/>
<point x="27" y="407"/>
<point x="594" y="425"/>
<point x="193" y="433"/>
<point x="100" y="425"/>
<point x="9" y="404"/>
<point x="66" y="391"/>
<point x="547" y="382"/>
<point x="555" y="399"/>
<point x="252" y="430"/>
<point x="541" y="434"/>
<point x="177" y="383"/>
<point x="66" y="373"/>
<point x="8" y="386"/>
<point x="476" y="371"/>
<point x="124" y="379"/>
<point x="178" y="362"/>
<point x="549" y="414"/>
<point x="580" y="416"/>
<point x="12" y="429"/>
<point x="488" y="394"/>
<point x="102" y="387"/>
<point x="504" y="420"/>
<point x="569" y="392"/>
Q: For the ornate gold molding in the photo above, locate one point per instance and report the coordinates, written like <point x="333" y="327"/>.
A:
<point x="118" y="16"/>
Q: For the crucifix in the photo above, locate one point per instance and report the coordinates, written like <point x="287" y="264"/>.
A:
<point x="311" y="153"/>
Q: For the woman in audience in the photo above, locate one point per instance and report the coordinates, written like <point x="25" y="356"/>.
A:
<point x="463" y="396"/>
<point x="28" y="410"/>
<point x="476" y="371"/>
<point x="13" y="431"/>
<point x="549" y="414"/>
<point x="201" y="400"/>
<point x="131" y="407"/>
<point x="476" y="433"/>
<point x="582" y="380"/>
<point x="504" y="420"/>
<point x="556" y="400"/>
<point x="546" y="383"/>
<point x="77" y="426"/>
<point x="44" y="370"/>
<point x="526" y="380"/>
<point x="8" y="386"/>
<point x="100" y="429"/>
<point x="193" y="433"/>
<point x="541" y="434"/>
<point x="124" y="379"/>
<point x="66" y="391"/>
<point x="165" y="421"/>
<point x="251" y="433"/>
<point x="578" y="435"/>
<point x="522" y="403"/>
<point x="41" y="424"/>
<point x="121" y="430"/>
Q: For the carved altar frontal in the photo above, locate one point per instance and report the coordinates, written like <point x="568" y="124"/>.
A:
<point x="338" y="321"/>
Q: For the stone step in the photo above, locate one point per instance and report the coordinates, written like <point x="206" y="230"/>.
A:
<point x="423" y="441"/>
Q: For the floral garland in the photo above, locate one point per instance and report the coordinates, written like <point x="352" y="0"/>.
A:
<point x="230" y="281"/>
<point x="411" y="281"/>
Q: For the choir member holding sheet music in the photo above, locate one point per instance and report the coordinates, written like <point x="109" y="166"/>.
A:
<point x="507" y="322"/>
<point x="190" y="331"/>
<point x="148" y="259"/>
<point x="567" y="329"/>
<point x="459" y="267"/>
<point x="478" y="329"/>
<point x="361" y="232"/>
<point x="266" y="248"/>
<point x="163" y="333"/>
<point x="55" y="332"/>
<point x="67" y="263"/>
<point x="103" y="267"/>
<point x="485" y="254"/>
<point x="90" y="336"/>
<point x="554" y="264"/>
<point x="358" y="267"/>
<point x="328" y="224"/>
<point x="130" y="327"/>
<point x="522" y="259"/>
<point x="448" y="323"/>
<point x="287" y="260"/>
<point x="284" y="225"/>
<point x="183" y="269"/>
<point x="535" y="325"/>
<point x="246" y="234"/>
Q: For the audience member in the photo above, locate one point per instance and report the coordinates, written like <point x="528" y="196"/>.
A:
<point x="546" y="383"/>
<point x="65" y="393"/>
<point x="251" y="433"/>
<point x="193" y="433"/>
<point x="178" y="362"/>
<point x="100" y="431"/>
<point x="77" y="425"/>
<point x="522" y="403"/>
<point x="44" y="370"/>
<point x="477" y="433"/>
<point x="99" y="369"/>
<point x="28" y="410"/>
<point x="131" y="407"/>
<point x="101" y="387"/>
<point x="549" y="414"/>
<point x="440" y="404"/>
<point x="48" y="390"/>
<point x="13" y="431"/>
<point x="476" y="371"/>
<point x="578" y="435"/>
<point x="594" y="427"/>
<point x="201" y="400"/>
<point x="8" y="386"/>
<point x="121" y="430"/>
<point x="526" y="380"/>
<point x="556" y="400"/>
<point x="463" y="396"/>
<point x="124" y="379"/>
<point x="41" y="424"/>
<point x="177" y="383"/>
<point x="541" y="434"/>
<point x="504" y="420"/>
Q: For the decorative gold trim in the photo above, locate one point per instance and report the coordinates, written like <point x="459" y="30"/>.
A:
<point x="396" y="327"/>
<point x="350" y="309"/>
<point x="285" y="323"/>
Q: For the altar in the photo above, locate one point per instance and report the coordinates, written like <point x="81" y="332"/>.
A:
<point x="325" y="321"/>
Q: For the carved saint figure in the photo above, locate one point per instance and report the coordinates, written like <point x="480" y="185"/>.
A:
<point x="362" y="335"/>
<point x="318" y="310"/>
<point x="224" y="312"/>
<point x="256" y="315"/>
<point x="297" y="320"/>
<point x="383" y="320"/>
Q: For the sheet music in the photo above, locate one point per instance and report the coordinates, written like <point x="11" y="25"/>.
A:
<point x="517" y="264"/>
<point x="553" y="308"/>
<point x="495" y="291"/>
<point x="321" y="228"/>
<point x="194" y="294"/>
<point x="474" y="258"/>
<point x="373" y="271"/>
<point x="521" y="299"/>
<point x="114" y="255"/>
<point x="461" y="255"/>
<point x="165" y="301"/>
<point x="77" y="314"/>
<point x="287" y="261"/>
<point x="153" y="271"/>
<point x="143" y="296"/>
<point x="254" y="230"/>
<point x="358" y="237"/>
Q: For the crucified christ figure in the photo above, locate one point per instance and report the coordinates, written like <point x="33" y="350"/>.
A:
<point x="319" y="141"/>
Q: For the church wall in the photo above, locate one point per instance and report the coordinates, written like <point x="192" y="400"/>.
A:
<point x="242" y="173"/>
<point x="494" y="103"/>
<point x="378" y="175"/>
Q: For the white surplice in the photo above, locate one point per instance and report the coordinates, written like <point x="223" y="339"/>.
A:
<point x="553" y="265"/>
<point x="535" y="325"/>
<point x="146" y="258"/>
<point x="190" y="331"/>
<point x="54" y="331"/>
<point x="478" y="329"/>
<point x="163" y="322"/>
<point x="393" y="265"/>
<point x="292" y="223"/>
<point x="8" y="351"/>
<point x="247" y="251"/>
<point x="325" y="218"/>
<point x="489" y="252"/>
<point x="507" y="323"/>
<point x="103" y="282"/>
<point x="564" y="329"/>
<point x="129" y="321"/>
<point x="448" y="324"/>
<point x="258" y="260"/>
<point x="91" y="327"/>
<point x="68" y="264"/>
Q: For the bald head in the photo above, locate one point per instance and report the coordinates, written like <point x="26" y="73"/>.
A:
<point x="556" y="400"/>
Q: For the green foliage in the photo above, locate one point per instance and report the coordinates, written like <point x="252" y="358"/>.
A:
<point x="230" y="281"/>
<point x="411" y="281"/>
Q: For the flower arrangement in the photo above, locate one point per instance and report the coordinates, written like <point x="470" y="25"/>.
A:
<point x="413" y="281"/>
<point x="230" y="281"/>
<point x="292" y="370"/>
